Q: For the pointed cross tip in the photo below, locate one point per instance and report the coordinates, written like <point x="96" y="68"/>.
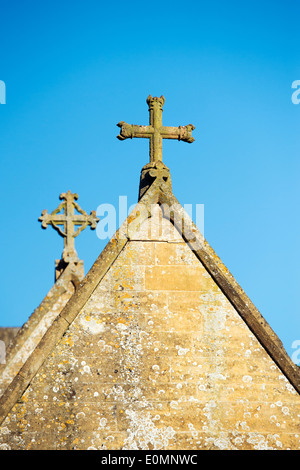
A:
<point x="68" y="193"/>
<point x="42" y="218"/>
<point x="156" y="98"/>
<point x="120" y="124"/>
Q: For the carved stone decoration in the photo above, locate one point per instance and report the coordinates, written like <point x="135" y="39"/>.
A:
<point x="155" y="132"/>
<point x="69" y="220"/>
<point x="152" y="171"/>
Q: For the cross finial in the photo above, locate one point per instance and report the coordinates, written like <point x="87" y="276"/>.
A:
<point x="69" y="221"/>
<point x="155" y="132"/>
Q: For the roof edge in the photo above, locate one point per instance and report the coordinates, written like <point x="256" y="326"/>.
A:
<point x="70" y="274"/>
<point x="231" y="289"/>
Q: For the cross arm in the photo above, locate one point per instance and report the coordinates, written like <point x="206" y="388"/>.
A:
<point x="47" y="219"/>
<point x="84" y="221"/>
<point x="128" y="131"/>
<point x="183" y="133"/>
<point x="61" y="219"/>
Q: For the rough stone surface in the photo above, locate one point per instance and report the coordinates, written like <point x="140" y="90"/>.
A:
<point x="28" y="337"/>
<point x="7" y="334"/>
<point x="7" y="337"/>
<point x="155" y="132"/>
<point x="68" y="219"/>
<point x="157" y="358"/>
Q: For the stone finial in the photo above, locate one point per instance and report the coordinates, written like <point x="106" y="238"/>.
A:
<point x="69" y="220"/>
<point x="155" y="132"/>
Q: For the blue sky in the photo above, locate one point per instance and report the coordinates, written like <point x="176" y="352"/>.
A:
<point x="73" y="70"/>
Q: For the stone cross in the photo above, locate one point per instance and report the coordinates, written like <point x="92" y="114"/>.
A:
<point x="156" y="132"/>
<point x="69" y="220"/>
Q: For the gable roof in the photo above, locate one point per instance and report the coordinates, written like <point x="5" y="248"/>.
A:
<point x="159" y="192"/>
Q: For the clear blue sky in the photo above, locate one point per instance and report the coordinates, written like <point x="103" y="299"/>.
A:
<point x="74" y="69"/>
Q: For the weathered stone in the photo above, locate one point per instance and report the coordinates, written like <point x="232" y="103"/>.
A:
<point x="31" y="333"/>
<point x="69" y="220"/>
<point x="7" y="335"/>
<point x="151" y="368"/>
<point x="156" y="132"/>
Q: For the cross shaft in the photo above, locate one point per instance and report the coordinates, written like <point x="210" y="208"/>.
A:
<point x="69" y="220"/>
<point x="155" y="132"/>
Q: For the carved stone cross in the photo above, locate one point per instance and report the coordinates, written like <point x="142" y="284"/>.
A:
<point x="156" y="132"/>
<point x="69" y="221"/>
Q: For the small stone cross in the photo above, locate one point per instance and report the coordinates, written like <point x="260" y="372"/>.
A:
<point x="69" y="220"/>
<point x="156" y="132"/>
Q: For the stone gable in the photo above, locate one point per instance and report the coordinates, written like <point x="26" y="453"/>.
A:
<point x="157" y="357"/>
